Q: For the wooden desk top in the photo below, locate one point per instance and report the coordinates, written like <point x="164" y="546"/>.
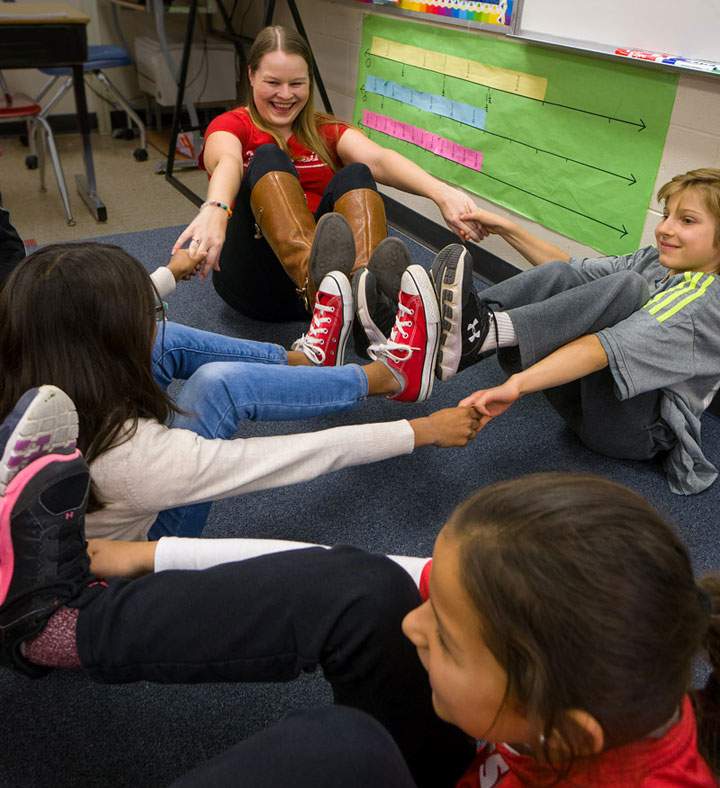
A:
<point x="41" y="14"/>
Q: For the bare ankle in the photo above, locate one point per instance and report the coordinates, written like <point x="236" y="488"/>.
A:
<point x="296" y="358"/>
<point x="381" y="380"/>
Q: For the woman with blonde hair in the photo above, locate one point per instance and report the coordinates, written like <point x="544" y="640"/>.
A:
<point x="278" y="169"/>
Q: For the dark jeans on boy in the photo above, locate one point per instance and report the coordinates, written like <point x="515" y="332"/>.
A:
<point x="269" y="619"/>
<point x="251" y="278"/>
<point x="554" y="304"/>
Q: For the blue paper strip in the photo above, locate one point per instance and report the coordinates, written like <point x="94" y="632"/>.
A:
<point x="428" y="102"/>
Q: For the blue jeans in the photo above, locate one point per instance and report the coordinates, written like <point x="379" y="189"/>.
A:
<point x="232" y="380"/>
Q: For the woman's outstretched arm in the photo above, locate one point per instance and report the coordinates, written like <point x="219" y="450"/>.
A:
<point x="223" y="159"/>
<point x="392" y="169"/>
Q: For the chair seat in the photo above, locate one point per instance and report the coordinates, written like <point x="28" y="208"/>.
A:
<point x="21" y="106"/>
<point x="100" y="56"/>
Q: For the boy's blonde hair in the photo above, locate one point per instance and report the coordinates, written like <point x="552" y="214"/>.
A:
<point x="707" y="181"/>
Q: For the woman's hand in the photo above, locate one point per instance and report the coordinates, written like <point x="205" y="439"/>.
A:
<point x="454" y="206"/>
<point x="446" y="428"/>
<point x="490" y="403"/>
<point x="485" y="222"/>
<point x="206" y="234"/>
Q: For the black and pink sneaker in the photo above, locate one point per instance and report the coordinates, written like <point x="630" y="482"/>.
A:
<point x="43" y="554"/>
<point x="326" y="339"/>
<point x="43" y="421"/>
<point x="45" y="482"/>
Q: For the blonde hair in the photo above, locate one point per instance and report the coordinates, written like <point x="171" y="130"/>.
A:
<point x="306" y="126"/>
<point x="707" y="181"/>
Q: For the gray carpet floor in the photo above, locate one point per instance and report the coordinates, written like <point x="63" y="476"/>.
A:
<point x="64" y="731"/>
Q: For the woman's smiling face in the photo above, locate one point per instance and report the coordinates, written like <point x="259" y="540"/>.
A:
<point x="281" y="88"/>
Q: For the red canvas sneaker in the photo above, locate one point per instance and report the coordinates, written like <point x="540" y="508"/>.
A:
<point x="411" y="350"/>
<point x="327" y="337"/>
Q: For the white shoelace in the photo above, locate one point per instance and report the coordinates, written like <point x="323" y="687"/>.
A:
<point x="311" y="343"/>
<point x="392" y="349"/>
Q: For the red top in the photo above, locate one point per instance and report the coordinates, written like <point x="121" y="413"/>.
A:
<point x="672" y="761"/>
<point x="314" y="173"/>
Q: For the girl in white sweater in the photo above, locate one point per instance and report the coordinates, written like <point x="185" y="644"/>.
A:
<point x="83" y="317"/>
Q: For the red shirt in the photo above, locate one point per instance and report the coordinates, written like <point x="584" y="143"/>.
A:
<point x="672" y="761"/>
<point x="314" y="173"/>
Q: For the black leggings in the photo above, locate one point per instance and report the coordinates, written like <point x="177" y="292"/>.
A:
<point x="251" y="279"/>
<point x="269" y="619"/>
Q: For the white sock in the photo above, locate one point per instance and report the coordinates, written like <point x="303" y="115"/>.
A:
<point x="176" y="552"/>
<point x="505" y="333"/>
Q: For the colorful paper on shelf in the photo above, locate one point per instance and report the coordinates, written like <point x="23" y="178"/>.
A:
<point x="440" y="146"/>
<point x="488" y="13"/>
<point x="471" y="70"/>
<point x="429" y="102"/>
<point x="580" y="155"/>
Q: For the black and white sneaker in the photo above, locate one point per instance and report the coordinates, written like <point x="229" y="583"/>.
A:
<point x="465" y="319"/>
<point x="374" y="312"/>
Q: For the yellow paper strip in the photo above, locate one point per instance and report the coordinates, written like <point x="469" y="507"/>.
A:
<point x="505" y="79"/>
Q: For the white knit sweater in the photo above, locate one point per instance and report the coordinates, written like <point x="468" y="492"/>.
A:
<point x="160" y="468"/>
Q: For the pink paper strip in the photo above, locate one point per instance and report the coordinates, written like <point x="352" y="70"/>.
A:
<point x="440" y="146"/>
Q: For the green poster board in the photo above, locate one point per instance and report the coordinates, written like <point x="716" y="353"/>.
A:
<point x="569" y="141"/>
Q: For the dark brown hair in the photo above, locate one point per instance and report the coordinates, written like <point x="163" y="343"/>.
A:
<point x="586" y="597"/>
<point x="81" y="316"/>
<point x="305" y="126"/>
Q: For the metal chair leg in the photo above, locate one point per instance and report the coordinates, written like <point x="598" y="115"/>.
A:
<point x="122" y="102"/>
<point x="41" y="152"/>
<point x="45" y="88"/>
<point x="57" y="167"/>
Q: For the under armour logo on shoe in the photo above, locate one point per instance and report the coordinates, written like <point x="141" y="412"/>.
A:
<point x="69" y="515"/>
<point x="473" y="332"/>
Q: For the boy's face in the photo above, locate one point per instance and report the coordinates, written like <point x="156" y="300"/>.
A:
<point x="686" y="236"/>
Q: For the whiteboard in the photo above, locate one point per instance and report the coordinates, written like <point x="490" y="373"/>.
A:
<point x="690" y="28"/>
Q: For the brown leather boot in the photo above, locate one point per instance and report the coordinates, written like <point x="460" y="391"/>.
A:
<point x="304" y="251"/>
<point x="364" y="210"/>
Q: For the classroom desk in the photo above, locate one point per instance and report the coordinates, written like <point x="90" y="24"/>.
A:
<point x="34" y="35"/>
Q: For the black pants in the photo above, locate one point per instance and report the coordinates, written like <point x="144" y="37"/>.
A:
<point x="320" y="748"/>
<point x="251" y="279"/>
<point x="550" y="306"/>
<point x="269" y="619"/>
<point x="12" y="250"/>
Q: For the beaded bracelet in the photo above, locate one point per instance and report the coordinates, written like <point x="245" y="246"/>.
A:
<point x="218" y="204"/>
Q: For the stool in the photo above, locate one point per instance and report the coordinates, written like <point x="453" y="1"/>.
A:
<point x="100" y="57"/>
<point x="17" y="106"/>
